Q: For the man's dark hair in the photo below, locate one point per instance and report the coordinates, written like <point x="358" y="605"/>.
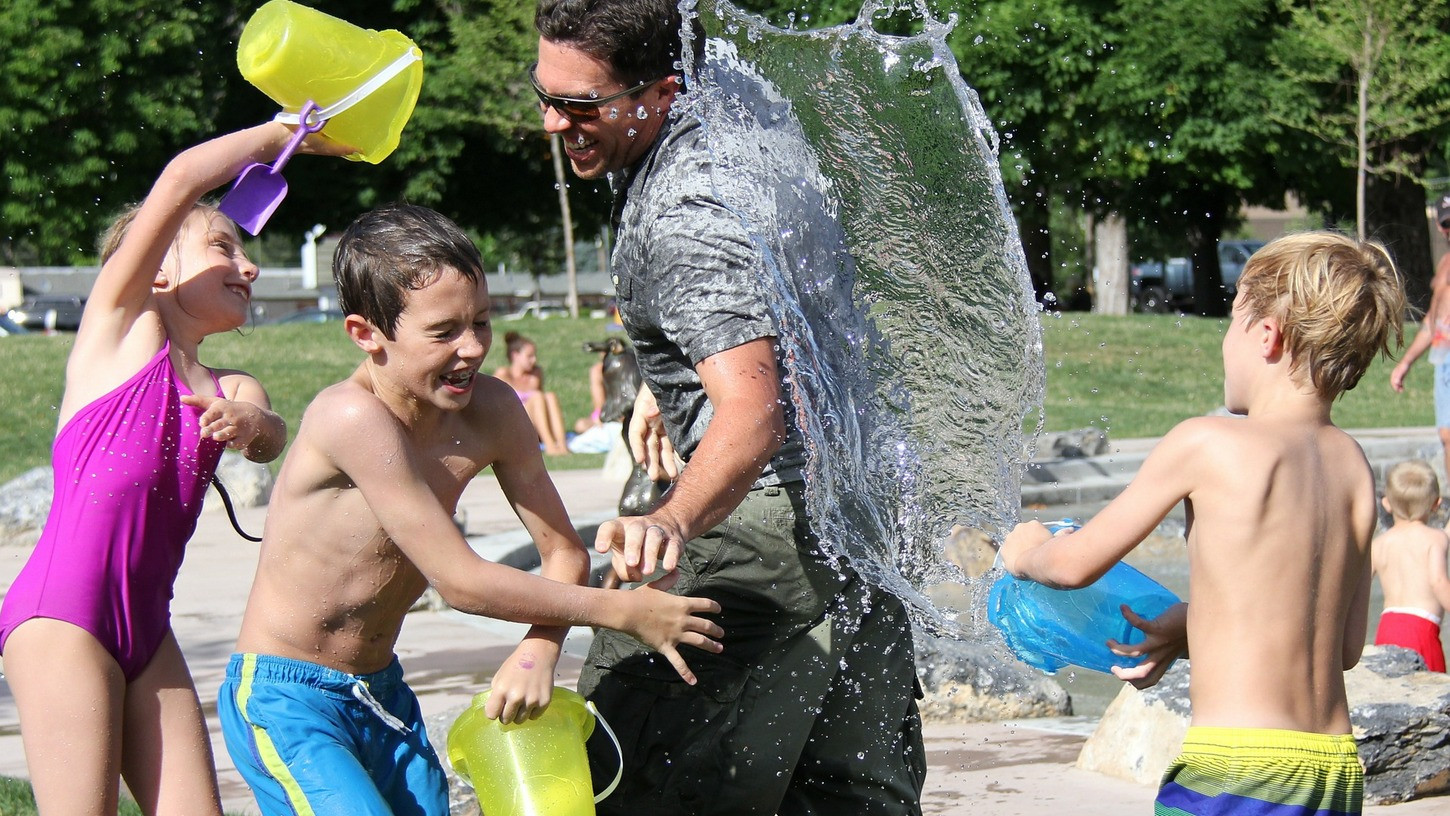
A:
<point x="640" y="39"/>
<point x="394" y="249"/>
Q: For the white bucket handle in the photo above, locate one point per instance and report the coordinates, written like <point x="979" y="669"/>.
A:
<point x="618" y="775"/>
<point x="362" y="91"/>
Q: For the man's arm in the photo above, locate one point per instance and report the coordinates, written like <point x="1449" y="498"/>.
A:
<point x="746" y="430"/>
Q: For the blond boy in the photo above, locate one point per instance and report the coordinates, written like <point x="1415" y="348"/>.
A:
<point x="314" y="709"/>
<point x="1409" y="559"/>
<point x="1281" y="510"/>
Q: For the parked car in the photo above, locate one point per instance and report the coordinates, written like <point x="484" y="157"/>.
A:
<point x="1163" y="286"/>
<point x="309" y="315"/>
<point x="541" y="309"/>
<point x="9" y="327"/>
<point x="49" y="312"/>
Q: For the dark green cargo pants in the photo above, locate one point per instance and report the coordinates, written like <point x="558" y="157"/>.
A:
<point x="811" y="708"/>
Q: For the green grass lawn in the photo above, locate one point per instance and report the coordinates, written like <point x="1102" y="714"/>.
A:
<point x="1133" y="376"/>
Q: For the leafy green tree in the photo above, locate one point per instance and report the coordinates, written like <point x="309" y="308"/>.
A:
<point x="1369" y="79"/>
<point x="94" y="97"/>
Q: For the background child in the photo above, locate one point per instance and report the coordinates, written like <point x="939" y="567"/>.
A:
<point x="314" y="709"/>
<point x="1409" y="559"/>
<point x="526" y="377"/>
<point x="102" y="689"/>
<point x="1281" y="511"/>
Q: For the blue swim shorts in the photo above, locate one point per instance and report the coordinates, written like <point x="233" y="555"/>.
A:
<point x="1442" y="394"/>
<point x="313" y="740"/>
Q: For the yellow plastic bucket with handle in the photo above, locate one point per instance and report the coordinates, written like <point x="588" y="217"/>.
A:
<point x="364" y="82"/>
<point x="534" y="768"/>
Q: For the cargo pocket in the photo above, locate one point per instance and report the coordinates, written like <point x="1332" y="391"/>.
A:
<point x="672" y="735"/>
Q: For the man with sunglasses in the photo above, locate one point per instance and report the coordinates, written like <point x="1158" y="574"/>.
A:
<point x="810" y="709"/>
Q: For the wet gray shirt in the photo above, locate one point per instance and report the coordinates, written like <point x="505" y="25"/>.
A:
<point x="687" y="280"/>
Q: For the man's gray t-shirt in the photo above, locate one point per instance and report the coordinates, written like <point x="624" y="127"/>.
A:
<point x="688" y="281"/>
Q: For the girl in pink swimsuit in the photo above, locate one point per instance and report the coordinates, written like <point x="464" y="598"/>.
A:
<point x="101" y="686"/>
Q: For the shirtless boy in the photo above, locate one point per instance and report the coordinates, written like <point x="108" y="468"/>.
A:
<point x="1409" y="559"/>
<point x="1281" y="509"/>
<point x="314" y="710"/>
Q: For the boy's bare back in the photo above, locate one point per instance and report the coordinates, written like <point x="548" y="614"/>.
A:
<point x="1282" y="514"/>
<point x="1406" y="558"/>
<point x="332" y="587"/>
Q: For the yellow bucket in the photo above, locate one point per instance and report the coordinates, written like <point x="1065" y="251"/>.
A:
<point x="533" y="768"/>
<point x="365" y="82"/>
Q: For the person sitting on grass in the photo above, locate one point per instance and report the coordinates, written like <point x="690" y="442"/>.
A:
<point x="524" y="374"/>
<point x="314" y="709"/>
<point x="1409" y="559"/>
<point x="1281" y="510"/>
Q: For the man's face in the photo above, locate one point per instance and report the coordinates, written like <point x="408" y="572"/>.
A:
<point x="625" y="127"/>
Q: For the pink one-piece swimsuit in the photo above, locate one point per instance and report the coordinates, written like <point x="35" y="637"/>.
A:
<point x="131" y="471"/>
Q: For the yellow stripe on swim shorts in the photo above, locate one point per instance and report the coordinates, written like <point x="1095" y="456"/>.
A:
<point x="271" y="760"/>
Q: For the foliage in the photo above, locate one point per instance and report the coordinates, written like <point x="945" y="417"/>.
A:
<point x="94" y="95"/>
<point x="1367" y="78"/>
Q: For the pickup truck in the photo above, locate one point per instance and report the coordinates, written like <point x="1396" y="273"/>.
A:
<point x="1165" y="286"/>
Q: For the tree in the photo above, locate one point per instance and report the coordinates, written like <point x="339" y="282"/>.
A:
<point x="94" y="98"/>
<point x="1368" y="78"/>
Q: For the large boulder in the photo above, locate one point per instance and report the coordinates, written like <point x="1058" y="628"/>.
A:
<point x="24" y="505"/>
<point x="1400" y="714"/>
<point x="975" y="682"/>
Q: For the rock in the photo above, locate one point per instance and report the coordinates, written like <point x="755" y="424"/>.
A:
<point x="248" y="483"/>
<point x="971" y="550"/>
<point x="24" y="505"/>
<point x="1077" y="444"/>
<point x="972" y="682"/>
<point x="1141" y="731"/>
<point x="1400" y="715"/>
<point x="461" y="799"/>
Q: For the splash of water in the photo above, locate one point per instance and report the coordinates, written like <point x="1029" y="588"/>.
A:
<point x="866" y="171"/>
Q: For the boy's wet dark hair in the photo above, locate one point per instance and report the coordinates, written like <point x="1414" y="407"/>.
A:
<point x="391" y="250"/>
<point x="640" y="39"/>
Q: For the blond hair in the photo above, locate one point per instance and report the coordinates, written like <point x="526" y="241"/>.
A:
<point x="1411" y="490"/>
<point x="115" y="234"/>
<point x="1337" y="300"/>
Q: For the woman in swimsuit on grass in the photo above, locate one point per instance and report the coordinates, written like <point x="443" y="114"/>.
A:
<point x="527" y="379"/>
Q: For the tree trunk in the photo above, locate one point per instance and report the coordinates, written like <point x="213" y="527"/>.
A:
<point x="1032" y="218"/>
<point x="572" y="299"/>
<point x="1209" y="297"/>
<point x="1395" y="210"/>
<point x="1110" y="263"/>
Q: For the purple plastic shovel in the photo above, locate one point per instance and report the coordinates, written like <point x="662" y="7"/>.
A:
<point x="260" y="189"/>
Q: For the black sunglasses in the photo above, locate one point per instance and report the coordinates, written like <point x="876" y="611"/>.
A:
<point x="579" y="110"/>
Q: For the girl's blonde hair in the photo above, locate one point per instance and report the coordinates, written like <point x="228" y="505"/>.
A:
<point x="1338" y="302"/>
<point x="121" y="225"/>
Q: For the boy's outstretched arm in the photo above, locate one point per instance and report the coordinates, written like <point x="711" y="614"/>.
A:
<point x="367" y="443"/>
<point x="1077" y="559"/>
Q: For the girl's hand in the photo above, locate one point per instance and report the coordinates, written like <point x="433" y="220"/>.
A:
<point x="235" y="422"/>
<point x="524" y="684"/>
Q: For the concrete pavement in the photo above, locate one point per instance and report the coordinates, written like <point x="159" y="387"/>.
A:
<point x="1022" y="768"/>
